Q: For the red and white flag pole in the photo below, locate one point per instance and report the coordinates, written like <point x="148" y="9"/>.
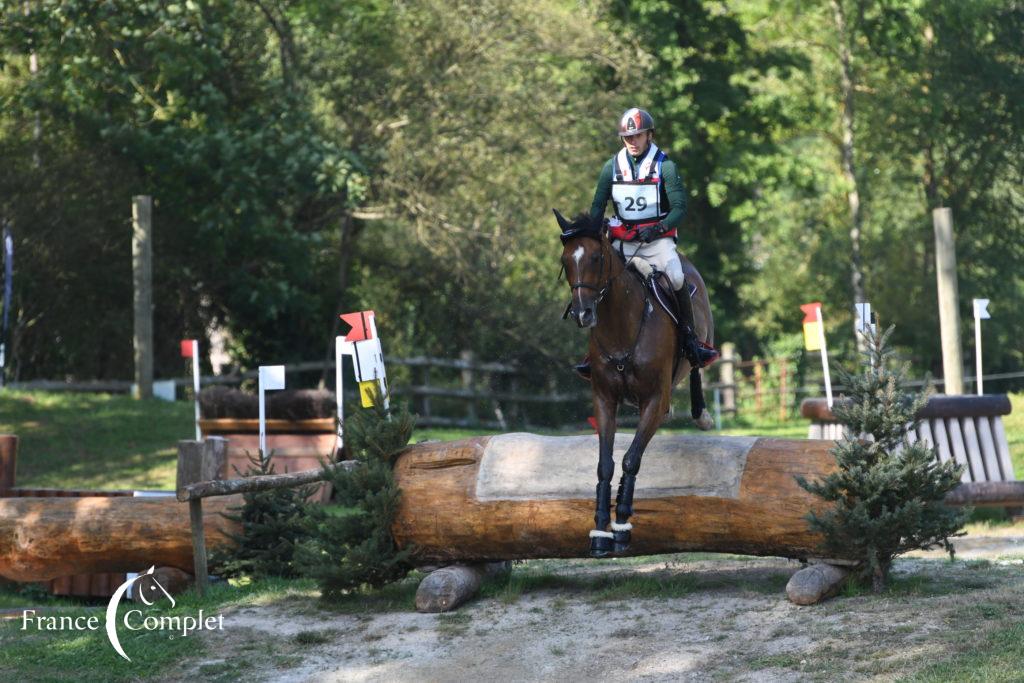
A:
<point x="190" y="349"/>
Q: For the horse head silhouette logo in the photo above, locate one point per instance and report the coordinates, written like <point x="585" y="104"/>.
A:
<point x="150" y="586"/>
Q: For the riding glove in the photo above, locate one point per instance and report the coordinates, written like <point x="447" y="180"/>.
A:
<point x="649" y="233"/>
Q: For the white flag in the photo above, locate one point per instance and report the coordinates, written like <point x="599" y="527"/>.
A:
<point x="981" y="309"/>
<point x="271" y="377"/>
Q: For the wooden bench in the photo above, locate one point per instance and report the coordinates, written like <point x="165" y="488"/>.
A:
<point x="966" y="429"/>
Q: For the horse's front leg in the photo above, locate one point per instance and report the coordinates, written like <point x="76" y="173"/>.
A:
<point x="605" y="413"/>
<point x="651" y="415"/>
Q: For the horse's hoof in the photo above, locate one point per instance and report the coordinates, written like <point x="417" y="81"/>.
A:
<point x="601" y="545"/>
<point x="705" y="422"/>
<point x="621" y="540"/>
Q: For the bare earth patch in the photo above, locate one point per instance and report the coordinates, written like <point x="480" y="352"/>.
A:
<point x="668" y="618"/>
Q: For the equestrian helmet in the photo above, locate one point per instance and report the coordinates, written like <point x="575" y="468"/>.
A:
<point x="635" y="121"/>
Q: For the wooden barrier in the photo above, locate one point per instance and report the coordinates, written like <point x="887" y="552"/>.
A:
<point x="966" y="429"/>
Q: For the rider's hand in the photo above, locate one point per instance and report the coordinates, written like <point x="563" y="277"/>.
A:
<point x="649" y="233"/>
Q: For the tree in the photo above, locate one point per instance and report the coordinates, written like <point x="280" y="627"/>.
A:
<point x="887" y="496"/>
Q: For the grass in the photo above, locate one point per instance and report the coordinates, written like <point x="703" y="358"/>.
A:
<point x="94" y="441"/>
<point x="43" y="655"/>
<point x="998" y="657"/>
<point x="101" y="441"/>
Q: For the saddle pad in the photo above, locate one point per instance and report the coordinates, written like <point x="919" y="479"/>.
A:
<point x="524" y="466"/>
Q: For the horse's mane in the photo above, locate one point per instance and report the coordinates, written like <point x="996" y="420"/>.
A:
<point x="583" y="225"/>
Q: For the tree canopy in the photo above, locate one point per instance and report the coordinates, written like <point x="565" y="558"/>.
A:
<point x="308" y="158"/>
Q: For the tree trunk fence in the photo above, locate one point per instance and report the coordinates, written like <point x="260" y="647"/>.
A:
<point x="468" y="393"/>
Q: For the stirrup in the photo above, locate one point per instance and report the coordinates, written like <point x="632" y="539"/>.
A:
<point x="583" y="370"/>
<point x="699" y="354"/>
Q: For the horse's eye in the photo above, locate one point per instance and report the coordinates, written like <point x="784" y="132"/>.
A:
<point x="594" y="257"/>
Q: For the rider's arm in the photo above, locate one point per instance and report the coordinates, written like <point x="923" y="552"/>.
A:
<point x="676" y="195"/>
<point x="603" y="192"/>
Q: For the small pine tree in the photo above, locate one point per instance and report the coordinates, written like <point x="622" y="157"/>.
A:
<point x="888" y="494"/>
<point x="353" y="547"/>
<point x="273" y="523"/>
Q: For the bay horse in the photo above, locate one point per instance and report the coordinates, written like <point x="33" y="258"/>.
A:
<point x="634" y="356"/>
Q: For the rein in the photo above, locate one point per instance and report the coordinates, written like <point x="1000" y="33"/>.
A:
<point x="621" y="362"/>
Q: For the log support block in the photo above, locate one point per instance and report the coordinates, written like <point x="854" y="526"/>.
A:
<point x="815" y="583"/>
<point x="445" y="589"/>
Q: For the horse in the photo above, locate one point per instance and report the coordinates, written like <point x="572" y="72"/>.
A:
<point x="634" y="358"/>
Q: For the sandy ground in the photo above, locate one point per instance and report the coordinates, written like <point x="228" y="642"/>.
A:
<point x="677" y="618"/>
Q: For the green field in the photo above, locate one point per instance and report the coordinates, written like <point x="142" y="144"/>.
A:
<point x="101" y="441"/>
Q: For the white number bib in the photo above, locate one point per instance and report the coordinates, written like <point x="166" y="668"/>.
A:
<point x="636" y="202"/>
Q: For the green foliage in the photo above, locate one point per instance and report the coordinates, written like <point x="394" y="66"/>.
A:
<point x="887" y="493"/>
<point x="273" y="523"/>
<point x="352" y="547"/>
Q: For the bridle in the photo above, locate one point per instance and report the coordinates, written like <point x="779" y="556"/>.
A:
<point x="625" y="360"/>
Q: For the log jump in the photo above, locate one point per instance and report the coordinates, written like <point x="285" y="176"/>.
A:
<point x="487" y="499"/>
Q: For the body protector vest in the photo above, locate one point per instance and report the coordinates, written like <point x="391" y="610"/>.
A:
<point x="638" y="193"/>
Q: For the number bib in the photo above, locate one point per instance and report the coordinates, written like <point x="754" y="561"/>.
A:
<point x="636" y="202"/>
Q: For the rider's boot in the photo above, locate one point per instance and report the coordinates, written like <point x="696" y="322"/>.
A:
<point x="699" y="354"/>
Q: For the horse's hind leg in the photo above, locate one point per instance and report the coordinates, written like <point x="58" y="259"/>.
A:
<point x="605" y="410"/>
<point x="651" y="416"/>
<point x="698" y="409"/>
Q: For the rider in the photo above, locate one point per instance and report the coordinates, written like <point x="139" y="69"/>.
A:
<point x="649" y="203"/>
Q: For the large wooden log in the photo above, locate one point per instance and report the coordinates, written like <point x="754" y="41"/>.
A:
<point x="519" y="496"/>
<point x="44" y="538"/>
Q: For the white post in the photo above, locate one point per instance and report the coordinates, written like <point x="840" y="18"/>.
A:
<point x="195" y="382"/>
<point x="980" y="313"/>
<point x="824" y="356"/>
<point x="271" y="378"/>
<point x="339" y="352"/>
<point x="381" y="384"/>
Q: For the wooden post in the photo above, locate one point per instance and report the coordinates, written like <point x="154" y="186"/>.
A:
<point x="758" y="375"/>
<point x="200" y="461"/>
<point x="727" y="377"/>
<point x="469" y="384"/>
<point x="949" y="311"/>
<point x="8" y="462"/>
<point x="195" y="515"/>
<point x="783" y="403"/>
<point x="142" y="280"/>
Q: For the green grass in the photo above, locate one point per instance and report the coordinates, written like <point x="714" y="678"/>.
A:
<point x="101" y="441"/>
<point x="94" y="441"/>
<point x="41" y="655"/>
<point x="999" y="657"/>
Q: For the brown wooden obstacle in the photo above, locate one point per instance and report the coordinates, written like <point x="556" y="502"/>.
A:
<point x="46" y="538"/>
<point x="518" y="496"/>
<point x="966" y="429"/>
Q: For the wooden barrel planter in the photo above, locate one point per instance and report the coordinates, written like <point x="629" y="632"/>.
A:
<point x="294" y="445"/>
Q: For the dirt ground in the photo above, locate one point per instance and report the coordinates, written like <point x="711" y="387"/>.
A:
<point x="670" y="618"/>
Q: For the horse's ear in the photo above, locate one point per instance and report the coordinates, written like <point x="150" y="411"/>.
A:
<point x="563" y="224"/>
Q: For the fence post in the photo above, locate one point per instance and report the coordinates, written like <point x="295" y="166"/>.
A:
<point x="200" y="461"/>
<point x="783" y="376"/>
<point x="8" y="462"/>
<point x="142" y="279"/>
<point x="468" y="383"/>
<point x="758" y="374"/>
<point x="424" y="373"/>
<point x="727" y="377"/>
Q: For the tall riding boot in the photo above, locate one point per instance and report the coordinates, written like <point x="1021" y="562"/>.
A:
<point x="700" y="355"/>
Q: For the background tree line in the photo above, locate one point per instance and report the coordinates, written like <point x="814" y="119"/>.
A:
<point x="309" y="158"/>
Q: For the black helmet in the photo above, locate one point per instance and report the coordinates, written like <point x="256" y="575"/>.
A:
<point x="635" y="121"/>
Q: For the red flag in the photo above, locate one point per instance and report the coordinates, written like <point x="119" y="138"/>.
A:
<point x="360" y="323"/>
<point x="809" y="311"/>
<point x="186" y="348"/>
<point x="592" y="421"/>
